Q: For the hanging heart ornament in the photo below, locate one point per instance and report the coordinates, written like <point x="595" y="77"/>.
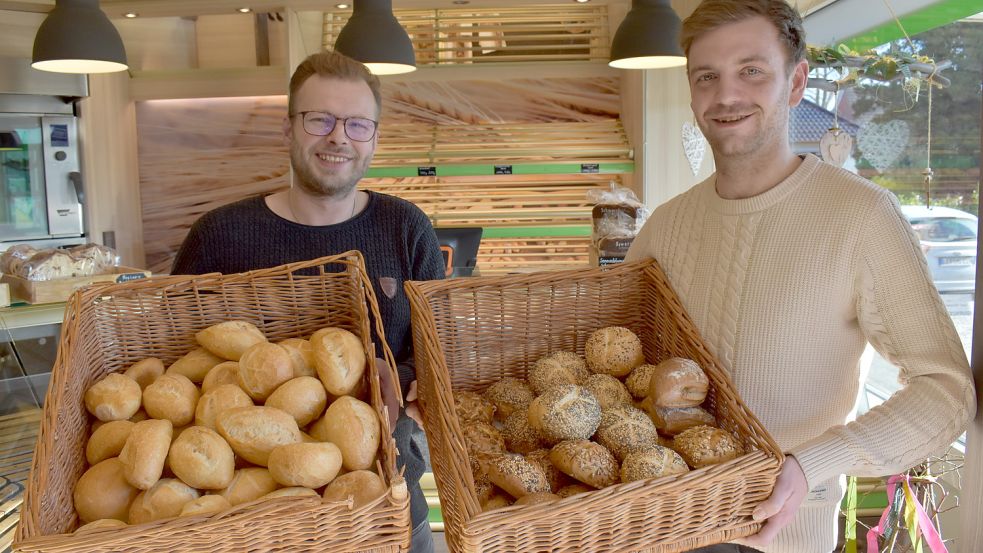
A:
<point x="882" y="144"/>
<point x="694" y="146"/>
<point x="836" y="146"/>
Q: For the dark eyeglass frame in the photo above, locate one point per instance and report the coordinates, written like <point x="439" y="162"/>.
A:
<point x="344" y="124"/>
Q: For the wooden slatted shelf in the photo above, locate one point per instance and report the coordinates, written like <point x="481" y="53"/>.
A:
<point x="18" y="434"/>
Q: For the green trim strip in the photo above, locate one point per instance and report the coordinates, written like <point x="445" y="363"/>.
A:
<point x="471" y="170"/>
<point x="536" y="232"/>
<point x="936" y="15"/>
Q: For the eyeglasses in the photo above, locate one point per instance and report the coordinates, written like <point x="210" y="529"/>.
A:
<point x="319" y="123"/>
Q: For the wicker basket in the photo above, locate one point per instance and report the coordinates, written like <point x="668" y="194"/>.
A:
<point x="469" y="333"/>
<point x="109" y="327"/>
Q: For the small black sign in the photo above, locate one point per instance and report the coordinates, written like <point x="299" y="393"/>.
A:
<point x="127" y="277"/>
<point x="59" y="136"/>
<point x="590" y="167"/>
<point x="503" y="169"/>
<point x="426" y="171"/>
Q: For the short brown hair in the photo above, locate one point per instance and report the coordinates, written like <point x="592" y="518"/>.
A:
<point x="335" y="65"/>
<point x="711" y="14"/>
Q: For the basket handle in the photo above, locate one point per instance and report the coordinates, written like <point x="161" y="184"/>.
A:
<point x="373" y="304"/>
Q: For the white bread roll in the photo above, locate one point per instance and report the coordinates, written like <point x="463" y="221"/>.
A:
<point x="113" y="398"/>
<point x="222" y="398"/>
<point x="702" y="446"/>
<point x="164" y="500"/>
<point x="100" y="524"/>
<point x="613" y="350"/>
<point x="362" y="486"/>
<point x="508" y="395"/>
<point x="202" y="459"/>
<point x="144" y="452"/>
<point x="678" y="382"/>
<point x="609" y="391"/>
<point x="293" y="491"/>
<point x="146" y="371"/>
<point x="195" y="364"/>
<point x="204" y="505"/>
<point x="470" y="406"/>
<point x="626" y="429"/>
<point x="586" y="461"/>
<point x="248" y="484"/>
<point x="520" y="436"/>
<point x="673" y="420"/>
<point x="107" y="441"/>
<point x="230" y="339"/>
<point x="339" y="359"/>
<point x="303" y="398"/>
<point x="103" y="492"/>
<point x="654" y="462"/>
<point x="516" y="475"/>
<point x="310" y="465"/>
<point x="173" y="397"/>
<point x="354" y="427"/>
<point x="556" y="369"/>
<point x="263" y="367"/>
<point x="253" y="432"/>
<point x="638" y="381"/>
<point x="537" y="498"/>
<point x="568" y="412"/>
<point x="226" y="372"/>
<point x="302" y="355"/>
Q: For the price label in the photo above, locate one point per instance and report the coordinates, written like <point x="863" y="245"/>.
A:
<point x="590" y="167"/>
<point x="426" y="171"/>
<point x="503" y="169"/>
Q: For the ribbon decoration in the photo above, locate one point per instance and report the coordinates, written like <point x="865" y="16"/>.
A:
<point x="916" y="519"/>
<point x="850" y="531"/>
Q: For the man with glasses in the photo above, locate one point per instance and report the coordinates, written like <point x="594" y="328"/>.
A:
<point x="332" y="130"/>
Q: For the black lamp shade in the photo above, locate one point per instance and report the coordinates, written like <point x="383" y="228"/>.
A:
<point x="374" y="37"/>
<point x="77" y="37"/>
<point x="648" y="38"/>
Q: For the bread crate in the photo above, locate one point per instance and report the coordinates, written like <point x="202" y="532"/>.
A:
<point x="107" y="328"/>
<point x="58" y="290"/>
<point x="469" y="333"/>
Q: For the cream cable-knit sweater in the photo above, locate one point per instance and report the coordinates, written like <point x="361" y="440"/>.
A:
<point x="786" y="288"/>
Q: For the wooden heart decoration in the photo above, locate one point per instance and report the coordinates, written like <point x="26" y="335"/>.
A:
<point x="882" y="144"/>
<point x="836" y="146"/>
<point x="694" y="146"/>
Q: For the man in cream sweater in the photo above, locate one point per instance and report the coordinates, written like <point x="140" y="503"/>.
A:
<point x="789" y="267"/>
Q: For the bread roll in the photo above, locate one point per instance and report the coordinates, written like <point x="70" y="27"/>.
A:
<point x="508" y="395"/>
<point x="574" y="489"/>
<point x="702" y="446"/>
<point x="205" y="505"/>
<point x="565" y="413"/>
<point x="310" y="465"/>
<point x="253" y="432"/>
<point x="202" y="459"/>
<point x="140" y="415"/>
<point x="362" y="486"/>
<point x="614" y="350"/>
<point x="230" y="339"/>
<point x="537" y="499"/>
<point x="100" y="524"/>
<point x="226" y="372"/>
<point x="520" y="436"/>
<point x="146" y="371"/>
<point x="638" y="381"/>
<point x="586" y="461"/>
<point x="555" y="477"/>
<point x="172" y="397"/>
<point x="164" y="500"/>
<point x="557" y="369"/>
<point x="482" y="440"/>
<point x="470" y="406"/>
<point x="107" y="441"/>
<point x="653" y="462"/>
<point x="609" y="391"/>
<point x="516" y="475"/>
<point x="293" y="491"/>
<point x="339" y="359"/>
<point x="496" y="501"/>
<point x="354" y="427"/>
<point x="673" y="420"/>
<point x="212" y="404"/>
<point x="626" y="429"/>
<point x="302" y="355"/>
<point x="303" y="398"/>
<point x="678" y="382"/>
<point x="144" y="452"/>
<point x="103" y="492"/>
<point x="196" y="364"/>
<point x="483" y="487"/>
<point x="114" y="398"/>
<point x="263" y="367"/>
<point x="248" y="484"/>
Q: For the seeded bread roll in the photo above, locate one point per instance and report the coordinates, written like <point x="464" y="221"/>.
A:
<point x="613" y="350"/>
<point x="146" y="371"/>
<point x="202" y="459"/>
<point x="496" y="501"/>
<point x="196" y="364"/>
<point x="537" y="498"/>
<point x="204" y="505"/>
<point x="555" y="477"/>
<point x="263" y="367"/>
<point x="104" y="492"/>
<point x="520" y="436"/>
<point x="114" y="398"/>
<point x="310" y="465"/>
<point x="626" y="429"/>
<point x="516" y="475"/>
<point x="638" y="381"/>
<point x="703" y="446"/>
<point x="100" y="524"/>
<point x="482" y="440"/>
<point x="144" y="452"/>
<point x="164" y="500"/>
<point x="226" y="372"/>
<point x="565" y="413"/>
<point x="586" y="461"/>
<point x="557" y="369"/>
<point x="172" y="397"/>
<point x="301" y="354"/>
<point x="654" y="462"/>
<point x="292" y="491"/>
<point x="507" y="395"/>
<point x="107" y="441"/>
<point x="473" y="407"/>
<point x="678" y="382"/>
<point x="303" y="398"/>
<point x="354" y="427"/>
<point x="609" y="391"/>
<point x="574" y="489"/>
<point x="362" y="486"/>
<point x="483" y="487"/>
<point x="339" y="359"/>
<point x="673" y="420"/>
<point x="253" y="432"/>
<point x="229" y="340"/>
<point x="248" y="484"/>
<point x="213" y="403"/>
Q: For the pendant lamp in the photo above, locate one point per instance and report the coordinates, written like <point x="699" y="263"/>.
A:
<point x="374" y="37"/>
<point x="77" y="37"/>
<point x="648" y="38"/>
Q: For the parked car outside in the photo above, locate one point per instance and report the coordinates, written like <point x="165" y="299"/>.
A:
<point x="948" y="240"/>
